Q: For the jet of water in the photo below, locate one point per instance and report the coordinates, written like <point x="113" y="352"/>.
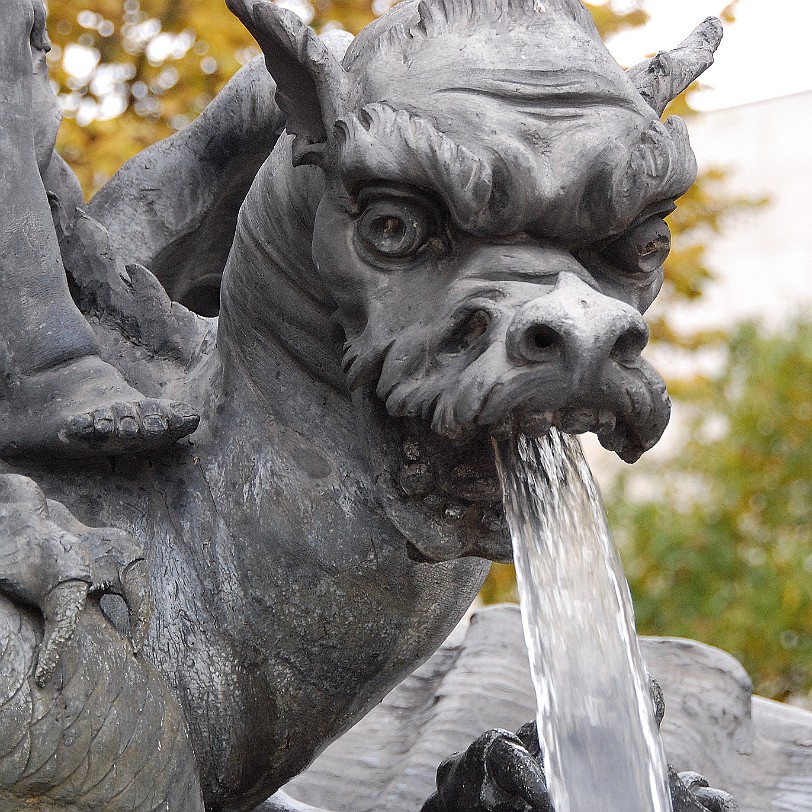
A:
<point x="596" y="720"/>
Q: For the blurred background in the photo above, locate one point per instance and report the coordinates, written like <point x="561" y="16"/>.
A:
<point x="714" y="524"/>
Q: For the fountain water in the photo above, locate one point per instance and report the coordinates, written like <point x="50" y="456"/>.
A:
<point x="595" y="713"/>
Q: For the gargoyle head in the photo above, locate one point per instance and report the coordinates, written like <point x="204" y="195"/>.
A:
<point x="493" y="227"/>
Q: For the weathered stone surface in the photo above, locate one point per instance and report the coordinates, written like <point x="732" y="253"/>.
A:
<point x="758" y="750"/>
<point x="74" y="744"/>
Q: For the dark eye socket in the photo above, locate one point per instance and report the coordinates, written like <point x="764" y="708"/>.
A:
<point x="395" y="229"/>
<point x="642" y="250"/>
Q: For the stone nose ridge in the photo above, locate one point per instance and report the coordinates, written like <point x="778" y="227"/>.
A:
<point x="577" y="327"/>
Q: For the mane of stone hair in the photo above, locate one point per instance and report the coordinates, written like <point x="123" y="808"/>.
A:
<point x="417" y="20"/>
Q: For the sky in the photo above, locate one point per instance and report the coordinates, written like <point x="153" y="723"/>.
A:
<point x="765" y="53"/>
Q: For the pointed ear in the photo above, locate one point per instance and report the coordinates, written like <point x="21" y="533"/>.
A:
<point x="310" y="83"/>
<point x="661" y="79"/>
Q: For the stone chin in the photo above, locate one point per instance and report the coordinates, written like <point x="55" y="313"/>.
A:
<point x="443" y="496"/>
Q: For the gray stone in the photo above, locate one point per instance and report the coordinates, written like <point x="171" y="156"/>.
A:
<point x="480" y="679"/>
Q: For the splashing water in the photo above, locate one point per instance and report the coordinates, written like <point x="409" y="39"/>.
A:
<point x="596" y="723"/>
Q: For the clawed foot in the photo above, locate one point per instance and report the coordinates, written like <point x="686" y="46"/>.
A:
<point x="85" y="408"/>
<point x="51" y="561"/>
<point x="132" y="426"/>
<point x="504" y="772"/>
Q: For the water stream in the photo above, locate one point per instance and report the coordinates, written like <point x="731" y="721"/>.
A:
<point x="595" y="715"/>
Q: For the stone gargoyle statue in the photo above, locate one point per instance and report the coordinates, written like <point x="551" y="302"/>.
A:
<point x="443" y="231"/>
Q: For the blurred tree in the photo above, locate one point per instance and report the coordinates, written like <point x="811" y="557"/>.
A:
<point x="717" y="541"/>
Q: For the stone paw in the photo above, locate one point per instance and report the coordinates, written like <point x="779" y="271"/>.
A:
<point x="126" y="427"/>
<point x="51" y="561"/>
<point x="499" y="771"/>
<point x="504" y="772"/>
<point x="85" y="408"/>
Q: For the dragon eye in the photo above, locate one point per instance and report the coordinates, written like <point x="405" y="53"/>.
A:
<point x="643" y="250"/>
<point x="395" y="229"/>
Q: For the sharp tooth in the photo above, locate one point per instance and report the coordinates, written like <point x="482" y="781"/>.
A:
<point x="535" y="425"/>
<point x="606" y="422"/>
<point x="614" y="440"/>
<point x="577" y="421"/>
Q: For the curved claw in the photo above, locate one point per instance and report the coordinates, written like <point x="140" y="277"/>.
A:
<point x="119" y="568"/>
<point x="714" y="800"/>
<point x="138" y="597"/>
<point x="63" y="605"/>
<point x="61" y="609"/>
<point x="39" y="35"/>
<point x="50" y="560"/>
<point x="519" y="774"/>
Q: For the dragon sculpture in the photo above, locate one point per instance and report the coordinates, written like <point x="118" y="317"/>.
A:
<point x="445" y="230"/>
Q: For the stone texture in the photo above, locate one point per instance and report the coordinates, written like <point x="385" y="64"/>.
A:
<point x="759" y="751"/>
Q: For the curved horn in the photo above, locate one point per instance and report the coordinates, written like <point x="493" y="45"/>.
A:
<point x="661" y="79"/>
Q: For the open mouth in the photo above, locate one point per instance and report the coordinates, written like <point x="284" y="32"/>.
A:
<point x="446" y="497"/>
<point x="614" y="433"/>
<point x="570" y="420"/>
<point x="625" y="404"/>
<point x="628" y="413"/>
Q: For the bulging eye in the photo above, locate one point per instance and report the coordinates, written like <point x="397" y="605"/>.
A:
<point x="642" y="250"/>
<point x="395" y="229"/>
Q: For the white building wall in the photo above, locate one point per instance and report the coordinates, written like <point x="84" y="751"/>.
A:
<point x="763" y="257"/>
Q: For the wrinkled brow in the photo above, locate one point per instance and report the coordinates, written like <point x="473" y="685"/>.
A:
<point x="382" y="143"/>
<point x="570" y="89"/>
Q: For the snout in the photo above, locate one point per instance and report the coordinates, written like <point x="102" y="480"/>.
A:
<point x="527" y="353"/>
<point x="572" y="358"/>
<point x="578" y="329"/>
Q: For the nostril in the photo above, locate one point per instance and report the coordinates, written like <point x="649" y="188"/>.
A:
<point x="629" y="345"/>
<point x="542" y="338"/>
<point x="537" y="343"/>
